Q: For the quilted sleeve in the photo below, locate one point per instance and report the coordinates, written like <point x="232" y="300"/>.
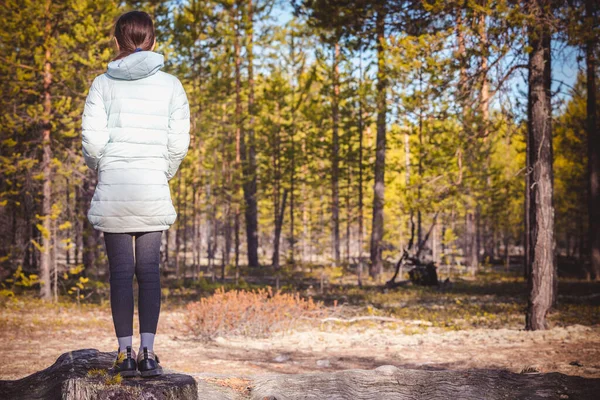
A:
<point x="179" y="129"/>
<point x="94" y="124"/>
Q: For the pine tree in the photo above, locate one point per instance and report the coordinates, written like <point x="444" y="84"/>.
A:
<point x="540" y="245"/>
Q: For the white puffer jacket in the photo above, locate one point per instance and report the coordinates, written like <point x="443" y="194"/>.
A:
<point x="135" y="133"/>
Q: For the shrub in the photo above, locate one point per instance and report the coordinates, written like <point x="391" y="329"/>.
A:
<point x="258" y="313"/>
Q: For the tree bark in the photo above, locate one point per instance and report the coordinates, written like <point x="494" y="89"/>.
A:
<point x="68" y="379"/>
<point x="184" y="219"/>
<point x="227" y="187"/>
<point x="178" y="229"/>
<point x="390" y="382"/>
<point x="251" y="211"/>
<point x="292" y="158"/>
<point x="541" y="283"/>
<point x="484" y="95"/>
<point x="239" y="132"/>
<point x="470" y="243"/>
<point x="376" y="267"/>
<point x="278" y="226"/>
<point x="472" y="248"/>
<point x="45" y="287"/>
<point x="593" y="145"/>
<point x="335" y="148"/>
<point x="360" y="174"/>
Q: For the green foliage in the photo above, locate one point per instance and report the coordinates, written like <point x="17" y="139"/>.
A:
<point x="445" y="159"/>
<point x="570" y="172"/>
<point x="17" y="279"/>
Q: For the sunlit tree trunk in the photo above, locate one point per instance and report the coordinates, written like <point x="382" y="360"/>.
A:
<point x="251" y="210"/>
<point x="278" y="207"/>
<point x="292" y="160"/>
<point x="593" y="145"/>
<point x="540" y="186"/>
<point x="376" y="267"/>
<point x="45" y="287"/>
<point x="178" y="229"/>
<point x="335" y="149"/>
<point x="470" y="241"/>
<point x="360" y="172"/>
<point x="239" y="132"/>
<point x="184" y="219"/>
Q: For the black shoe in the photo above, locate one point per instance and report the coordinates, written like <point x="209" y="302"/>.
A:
<point x="125" y="363"/>
<point x="148" y="364"/>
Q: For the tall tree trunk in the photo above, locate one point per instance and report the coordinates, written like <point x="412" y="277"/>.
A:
<point x="45" y="289"/>
<point x="68" y="232"/>
<point x="292" y="158"/>
<point x="306" y="233"/>
<point x="184" y="219"/>
<point x="210" y="225"/>
<point x="198" y="237"/>
<point x="360" y="173"/>
<point x="348" y="207"/>
<point x="470" y="242"/>
<point x="335" y="149"/>
<point x="226" y="176"/>
<point x="349" y="211"/>
<point x="420" y="164"/>
<point x="435" y="243"/>
<point x="89" y="236"/>
<point x="251" y="210"/>
<point x="239" y="134"/>
<point x="593" y="145"/>
<point x="541" y="235"/>
<point x="77" y="224"/>
<point x="411" y="222"/>
<point x="166" y="255"/>
<point x="278" y="226"/>
<point x="277" y="207"/>
<point x="227" y="230"/>
<point x="376" y="267"/>
<point x="178" y="229"/>
<point x="195" y="244"/>
<point x="484" y="94"/>
<point x="483" y="222"/>
<point x="53" y="258"/>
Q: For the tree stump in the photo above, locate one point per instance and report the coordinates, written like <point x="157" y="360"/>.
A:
<point x="424" y="274"/>
<point x="68" y="379"/>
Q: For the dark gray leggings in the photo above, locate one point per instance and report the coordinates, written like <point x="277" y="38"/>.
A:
<point x="122" y="265"/>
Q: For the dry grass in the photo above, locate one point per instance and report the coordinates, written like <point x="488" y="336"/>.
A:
<point x="241" y="386"/>
<point x="437" y="328"/>
<point x="490" y="301"/>
<point x="257" y="313"/>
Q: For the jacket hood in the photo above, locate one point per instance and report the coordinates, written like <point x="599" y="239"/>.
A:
<point x="136" y="65"/>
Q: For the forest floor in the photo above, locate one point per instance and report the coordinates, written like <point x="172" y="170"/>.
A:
<point x="472" y="324"/>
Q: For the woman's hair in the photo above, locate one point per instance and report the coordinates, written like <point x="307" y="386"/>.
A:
<point x="133" y="30"/>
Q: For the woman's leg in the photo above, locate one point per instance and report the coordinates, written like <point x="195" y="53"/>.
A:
<point x="119" y="249"/>
<point x="147" y="258"/>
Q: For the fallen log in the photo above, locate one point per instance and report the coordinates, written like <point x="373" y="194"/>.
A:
<point x="69" y="378"/>
<point x="390" y="382"/>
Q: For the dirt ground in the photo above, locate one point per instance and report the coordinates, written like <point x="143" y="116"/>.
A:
<point x="33" y="336"/>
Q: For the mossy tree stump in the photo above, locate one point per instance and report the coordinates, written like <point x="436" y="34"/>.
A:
<point x="83" y="375"/>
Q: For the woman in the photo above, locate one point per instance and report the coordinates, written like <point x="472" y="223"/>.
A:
<point x="135" y="133"/>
